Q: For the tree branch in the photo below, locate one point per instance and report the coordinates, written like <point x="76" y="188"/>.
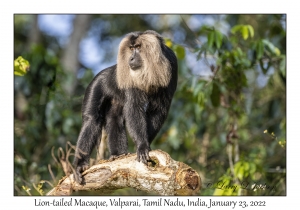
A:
<point x="163" y="176"/>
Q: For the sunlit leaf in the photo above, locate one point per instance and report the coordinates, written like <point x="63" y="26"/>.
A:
<point x="180" y="52"/>
<point x="277" y="51"/>
<point x="218" y="192"/>
<point x="246" y="166"/>
<point x="236" y="167"/>
<point x="21" y="66"/>
<point x="168" y="42"/>
<point x="251" y="30"/>
<point x="245" y="32"/>
<point x="271" y="47"/>
<point x="240" y="173"/>
<point x="236" y="28"/>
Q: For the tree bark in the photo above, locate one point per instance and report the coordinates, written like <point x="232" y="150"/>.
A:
<point x="164" y="176"/>
<point x="35" y="33"/>
<point x="70" y="54"/>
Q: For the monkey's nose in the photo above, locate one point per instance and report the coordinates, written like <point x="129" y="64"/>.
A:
<point x="135" y="64"/>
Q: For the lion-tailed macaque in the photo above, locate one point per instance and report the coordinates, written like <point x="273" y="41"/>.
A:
<point x="133" y="95"/>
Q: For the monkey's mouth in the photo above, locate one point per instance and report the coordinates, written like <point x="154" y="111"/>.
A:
<point x="134" y="66"/>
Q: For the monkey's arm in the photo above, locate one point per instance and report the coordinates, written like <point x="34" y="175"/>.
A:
<point x="136" y="123"/>
<point x="160" y="102"/>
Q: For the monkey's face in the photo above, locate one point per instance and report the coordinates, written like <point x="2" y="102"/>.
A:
<point x="135" y="61"/>
<point x="141" y="62"/>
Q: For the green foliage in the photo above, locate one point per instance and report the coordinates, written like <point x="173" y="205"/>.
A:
<point x="244" y="169"/>
<point x="245" y="30"/>
<point x="214" y="38"/>
<point x="178" y="49"/>
<point x="231" y="97"/>
<point x="52" y="118"/>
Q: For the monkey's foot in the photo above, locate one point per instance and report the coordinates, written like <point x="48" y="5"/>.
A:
<point x="77" y="174"/>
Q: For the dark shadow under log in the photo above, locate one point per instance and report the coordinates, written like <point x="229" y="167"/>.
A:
<point x="163" y="176"/>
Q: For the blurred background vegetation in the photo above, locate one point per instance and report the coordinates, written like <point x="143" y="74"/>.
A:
<point x="227" y="119"/>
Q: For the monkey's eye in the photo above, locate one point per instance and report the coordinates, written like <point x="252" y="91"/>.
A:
<point x="138" y="47"/>
<point x="131" y="48"/>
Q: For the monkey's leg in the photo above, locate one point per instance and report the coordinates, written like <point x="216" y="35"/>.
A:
<point x="156" y="114"/>
<point x="88" y="137"/>
<point x="155" y="121"/>
<point x="116" y="132"/>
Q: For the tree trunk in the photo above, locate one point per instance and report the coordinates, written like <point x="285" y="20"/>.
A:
<point x="70" y="54"/>
<point x="35" y="33"/>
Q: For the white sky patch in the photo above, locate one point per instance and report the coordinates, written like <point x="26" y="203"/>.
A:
<point x="173" y="20"/>
<point x="56" y="25"/>
<point x="60" y="26"/>
<point x="199" y="67"/>
<point x="196" y="21"/>
<point x="90" y="52"/>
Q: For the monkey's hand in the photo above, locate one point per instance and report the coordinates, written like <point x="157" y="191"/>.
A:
<point x="79" y="168"/>
<point x="143" y="153"/>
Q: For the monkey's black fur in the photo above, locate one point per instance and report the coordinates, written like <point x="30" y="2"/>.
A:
<point x="115" y="109"/>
